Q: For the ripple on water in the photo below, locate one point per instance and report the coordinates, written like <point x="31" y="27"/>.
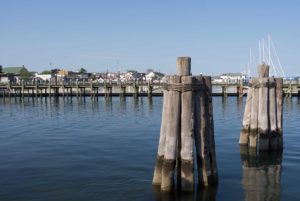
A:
<point x="79" y="149"/>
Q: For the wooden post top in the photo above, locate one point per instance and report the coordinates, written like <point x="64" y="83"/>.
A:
<point x="263" y="70"/>
<point x="183" y="66"/>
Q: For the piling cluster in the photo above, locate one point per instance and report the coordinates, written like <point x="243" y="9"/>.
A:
<point x="187" y="122"/>
<point x="262" y="122"/>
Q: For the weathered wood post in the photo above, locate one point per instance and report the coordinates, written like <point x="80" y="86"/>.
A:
<point x="204" y="134"/>
<point x="187" y="125"/>
<point x="77" y="89"/>
<point x="92" y="88"/>
<point x="122" y="90"/>
<point x="187" y="121"/>
<point x="172" y="132"/>
<point x="9" y="89"/>
<point x="36" y="89"/>
<point x="50" y="89"/>
<point x="162" y="139"/>
<point x="263" y="110"/>
<point x="22" y="89"/>
<point x="187" y="138"/>
<point x="135" y="89"/>
<point x="262" y="122"/>
<point x="279" y="101"/>
<point x="150" y="87"/>
<point x="63" y="88"/>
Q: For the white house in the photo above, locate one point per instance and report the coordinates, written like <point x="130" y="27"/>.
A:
<point x="233" y="77"/>
<point x="45" y="77"/>
<point x="4" y="79"/>
<point x="150" y="76"/>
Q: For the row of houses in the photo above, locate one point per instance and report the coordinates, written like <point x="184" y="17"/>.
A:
<point x="17" y="74"/>
<point x="12" y="74"/>
<point x="230" y="78"/>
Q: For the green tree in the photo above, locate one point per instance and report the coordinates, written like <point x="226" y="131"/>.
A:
<point x="1" y="69"/>
<point x="46" y="72"/>
<point x="93" y="77"/>
<point x="82" y="71"/>
<point x="25" y="74"/>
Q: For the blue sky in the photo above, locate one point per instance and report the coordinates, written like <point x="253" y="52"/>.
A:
<point x="141" y="34"/>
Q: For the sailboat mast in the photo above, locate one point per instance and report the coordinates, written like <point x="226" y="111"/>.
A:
<point x="259" y="52"/>
<point x="269" y="49"/>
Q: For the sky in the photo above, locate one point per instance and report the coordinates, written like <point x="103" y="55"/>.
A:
<point x="117" y="35"/>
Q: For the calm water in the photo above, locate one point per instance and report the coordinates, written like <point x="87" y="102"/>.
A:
<point x="79" y="149"/>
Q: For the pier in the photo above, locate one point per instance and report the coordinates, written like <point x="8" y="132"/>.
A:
<point x="290" y="88"/>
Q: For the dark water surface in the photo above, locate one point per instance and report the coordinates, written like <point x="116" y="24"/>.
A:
<point x="79" y="149"/>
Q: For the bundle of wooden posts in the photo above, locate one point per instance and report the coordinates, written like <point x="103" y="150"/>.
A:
<point x="262" y="122"/>
<point x="187" y="122"/>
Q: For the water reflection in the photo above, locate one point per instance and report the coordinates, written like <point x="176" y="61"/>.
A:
<point x="108" y="103"/>
<point x="261" y="175"/>
<point x="201" y="194"/>
<point x="224" y="105"/>
<point x="289" y="104"/>
<point x="136" y="103"/>
<point x="150" y="103"/>
<point x="123" y="103"/>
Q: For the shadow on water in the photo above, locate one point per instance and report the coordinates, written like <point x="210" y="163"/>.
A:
<point x="201" y="194"/>
<point x="261" y="175"/>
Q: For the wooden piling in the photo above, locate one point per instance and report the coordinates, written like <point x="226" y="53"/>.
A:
<point x="173" y="116"/>
<point x="273" y="114"/>
<point x="187" y="121"/>
<point x="91" y="89"/>
<point x="264" y="100"/>
<point x="183" y="66"/>
<point x="22" y="89"/>
<point x="279" y="101"/>
<point x="77" y="90"/>
<point x="197" y="128"/>
<point x="187" y="137"/>
<point x="162" y="140"/>
<point x="245" y="131"/>
<point x="50" y="90"/>
<point x="263" y="114"/>
<point x="254" y="114"/>
<point x="135" y="90"/>
<point x="36" y="90"/>
<point x="150" y="88"/>
<point x="211" y="130"/>
<point x="63" y="89"/>
<point x="205" y="139"/>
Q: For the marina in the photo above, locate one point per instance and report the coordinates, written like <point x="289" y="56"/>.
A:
<point x="290" y="88"/>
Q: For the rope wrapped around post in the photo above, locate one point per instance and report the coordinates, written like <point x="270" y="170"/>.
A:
<point x="182" y="87"/>
<point x="187" y="122"/>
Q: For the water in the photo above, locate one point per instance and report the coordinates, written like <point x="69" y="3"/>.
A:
<point x="80" y="149"/>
